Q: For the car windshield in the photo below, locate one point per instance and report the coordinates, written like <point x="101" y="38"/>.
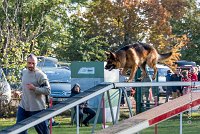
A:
<point x="161" y="71"/>
<point x="46" y="64"/>
<point x="60" y="76"/>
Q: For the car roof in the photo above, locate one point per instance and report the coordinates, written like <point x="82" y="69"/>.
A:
<point x="160" y="66"/>
<point x="52" y="59"/>
<point x="185" y="63"/>
<point x="58" y="69"/>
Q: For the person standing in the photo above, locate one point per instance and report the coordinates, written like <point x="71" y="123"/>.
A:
<point x="194" y="74"/>
<point x="83" y="107"/>
<point x="168" y="88"/>
<point x="185" y="78"/>
<point x="34" y="86"/>
<point x="176" y="90"/>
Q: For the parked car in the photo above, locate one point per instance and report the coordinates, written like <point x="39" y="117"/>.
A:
<point x="162" y="72"/>
<point x="47" y="61"/>
<point x="182" y="63"/>
<point x="5" y="90"/>
<point x="60" y="82"/>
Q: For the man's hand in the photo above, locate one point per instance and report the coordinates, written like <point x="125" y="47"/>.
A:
<point x="30" y="86"/>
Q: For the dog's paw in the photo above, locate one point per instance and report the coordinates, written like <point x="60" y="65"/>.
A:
<point x="140" y="79"/>
<point x="129" y="81"/>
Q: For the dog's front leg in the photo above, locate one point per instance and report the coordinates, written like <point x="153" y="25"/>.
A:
<point x="132" y="75"/>
<point x="124" y="71"/>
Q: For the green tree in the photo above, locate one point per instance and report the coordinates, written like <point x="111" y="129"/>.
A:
<point x="22" y="23"/>
<point x="189" y="25"/>
<point x="75" y="44"/>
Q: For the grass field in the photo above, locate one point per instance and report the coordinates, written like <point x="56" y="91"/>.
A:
<point x="170" y="126"/>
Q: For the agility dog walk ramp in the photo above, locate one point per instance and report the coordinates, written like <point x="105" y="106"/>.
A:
<point x="57" y="109"/>
<point x="154" y="115"/>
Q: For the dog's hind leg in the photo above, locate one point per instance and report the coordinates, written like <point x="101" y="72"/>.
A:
<point x="133" y="71"/>
<point x="155" y="72"/>
<point x="143" y="69"/>
<point x="151" y="62"/>
<point x="153" y="66"/>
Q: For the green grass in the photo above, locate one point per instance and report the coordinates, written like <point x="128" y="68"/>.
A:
<point x="170" y="126"/>
<point x="63" y="128"/>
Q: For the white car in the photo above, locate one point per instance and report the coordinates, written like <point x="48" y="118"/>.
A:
<point x="162" y="72"/>
<point x="5" y="90"/>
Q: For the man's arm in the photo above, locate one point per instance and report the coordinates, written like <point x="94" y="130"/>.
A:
<point x="44" y="88"/>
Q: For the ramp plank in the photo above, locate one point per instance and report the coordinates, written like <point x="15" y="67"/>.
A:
<point x="155" y="115"/>
<point x="56" y="109"/>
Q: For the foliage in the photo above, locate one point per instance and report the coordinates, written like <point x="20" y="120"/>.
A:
<point x="22" y="22"/>
<point x="123" y="22"/>
<point x="189" y="25"/>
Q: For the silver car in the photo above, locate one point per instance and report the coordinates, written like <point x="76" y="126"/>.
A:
<point x="60" y="82"/>
<point x="5" y="90"/>
<point x="162" y="72"/>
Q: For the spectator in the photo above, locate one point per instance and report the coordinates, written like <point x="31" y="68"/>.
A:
<point x="176" y="90"/>
<point x="194" y="73"/>
<point x="198" y="72"/>
<point x="185" y="78"/>
<point x="35" y="86"/>
<point x="168" y="88"/>
<point x="83" y="107"/>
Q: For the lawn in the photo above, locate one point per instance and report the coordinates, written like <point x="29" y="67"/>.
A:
<point x="170" y="126"/>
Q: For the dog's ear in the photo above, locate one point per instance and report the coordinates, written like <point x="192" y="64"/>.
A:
<point x="110" y="55"/>
<point x="107" y="53"/>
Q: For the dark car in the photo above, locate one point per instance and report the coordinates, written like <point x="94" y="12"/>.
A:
<point x="60" y="82"/>
<point x="182" y="63"/>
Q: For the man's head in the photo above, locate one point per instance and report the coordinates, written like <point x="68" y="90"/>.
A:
<point x="31" y="62"/>
<point x="169" y="71"/>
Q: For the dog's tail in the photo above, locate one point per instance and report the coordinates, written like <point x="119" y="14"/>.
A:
<point x="164" y="56"/>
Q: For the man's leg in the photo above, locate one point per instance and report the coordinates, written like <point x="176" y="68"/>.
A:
<point x="91" y="113"/>
<point x="80" y="116"/>
<point x="21" y="115"/>
<point x="41" y="128"/>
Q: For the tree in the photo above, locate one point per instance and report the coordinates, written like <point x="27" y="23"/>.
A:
<point x="75" y="42"/>
<point x="189" y="25"/>
<point x="123" y="22"/>
<point x="22" y="22"/>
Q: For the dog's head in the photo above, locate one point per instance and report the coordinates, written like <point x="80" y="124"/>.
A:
<point x="112" y="61"/>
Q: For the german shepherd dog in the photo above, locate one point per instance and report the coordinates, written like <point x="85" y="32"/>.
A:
<point x="134" y="56"/>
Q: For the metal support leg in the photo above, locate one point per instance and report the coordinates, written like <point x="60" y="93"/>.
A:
<point x="128" y="102"/>
<point x="181" y="123"/>
<point x="118" y="106"/>
<point x="97" y="115"/>
<point x="110" y="104"/>
<point x="77" y="119"/>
